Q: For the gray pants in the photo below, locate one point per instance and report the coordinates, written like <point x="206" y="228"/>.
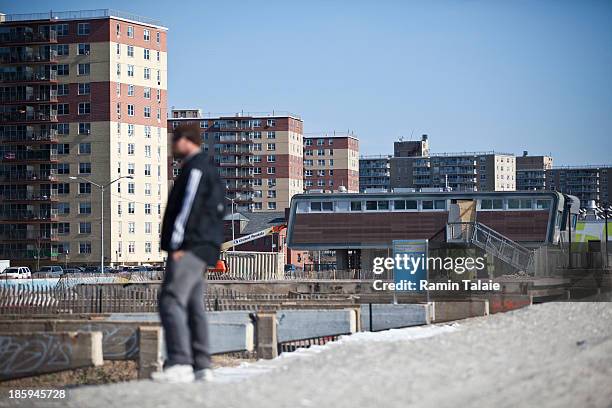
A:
<point x="181" y="308"/>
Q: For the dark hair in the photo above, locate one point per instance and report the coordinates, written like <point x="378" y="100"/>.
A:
<point x="190" y="132"/>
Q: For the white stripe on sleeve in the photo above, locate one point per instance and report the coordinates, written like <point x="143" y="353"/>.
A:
<point x="181" y="219"/>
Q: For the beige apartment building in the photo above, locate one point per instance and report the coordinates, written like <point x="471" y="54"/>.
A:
<point x="331" y="162"/>
<point x="83" y="106"/>
<point x="259" y="156"/>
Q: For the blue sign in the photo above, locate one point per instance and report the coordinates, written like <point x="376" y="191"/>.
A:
<point x="410" y="256"/>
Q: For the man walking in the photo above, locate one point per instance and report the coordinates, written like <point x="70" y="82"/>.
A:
<point x="192" y="233"/>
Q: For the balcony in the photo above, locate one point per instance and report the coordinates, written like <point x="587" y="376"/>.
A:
<point x="29" y="57"/>
<point x="28" y="156"/>
<point x="29" y="235"/>
<point x="39" y="96"/>
<point x="28" y="177"/>
<point x="29" y="136"/>
<point x="239" y="188"/>
<point x="28" y="76"/>
<point x="29" y="254"/>
<point x="235" y="139"/>
<point x="26" y="216"/>
<point x="28" y="197"/>
<point x="237" y="163"/>
<point x="25" y="116"/>
<point x="28" y="37"/>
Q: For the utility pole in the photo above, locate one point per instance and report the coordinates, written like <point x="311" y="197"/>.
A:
<point x="605" y="211"/>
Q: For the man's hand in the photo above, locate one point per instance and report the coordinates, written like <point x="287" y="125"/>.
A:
<point x="177" y="255"/>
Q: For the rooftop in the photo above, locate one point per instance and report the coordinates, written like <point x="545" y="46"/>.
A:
<point x="457" y="154"/>
<point x="82" y="15"/>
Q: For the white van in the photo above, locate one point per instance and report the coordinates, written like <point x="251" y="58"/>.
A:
<point x="16" y="272"/>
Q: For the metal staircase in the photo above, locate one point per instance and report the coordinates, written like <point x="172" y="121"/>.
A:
<point x="492" y="242"/>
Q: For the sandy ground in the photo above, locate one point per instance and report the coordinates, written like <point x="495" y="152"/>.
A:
<point x="550" y="355"/>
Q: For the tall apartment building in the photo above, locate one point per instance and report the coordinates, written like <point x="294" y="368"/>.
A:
<point x="374" y="173"/>
<point x="83" y="103"/>
<point x="487" y="171"/>
<point x="259" y="157"/>
<point x="585" y="182"/>
<point x="411" y="148"/>
<point x="531" y="171"/>
<point x="331" y="162"/>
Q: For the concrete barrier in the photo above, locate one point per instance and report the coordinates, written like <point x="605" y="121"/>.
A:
<point x="27" y="354"/>
<point x="231" y="337"/>
<point x="448" y="311"/>
<point x="307" y="324"/>
<point x="390" y="316"/>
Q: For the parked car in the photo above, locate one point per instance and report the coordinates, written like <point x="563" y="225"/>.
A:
<point x="54" y="270"/>
<point x="16" y="272"/>
<point x="73" y="270"/>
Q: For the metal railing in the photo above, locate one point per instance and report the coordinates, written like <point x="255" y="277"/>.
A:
<point x="491" y="242"/>
<point x="80" y="15"/>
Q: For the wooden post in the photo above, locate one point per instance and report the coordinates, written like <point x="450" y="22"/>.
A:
<point x="267" y="344"/>
<point x="150" y="354"/>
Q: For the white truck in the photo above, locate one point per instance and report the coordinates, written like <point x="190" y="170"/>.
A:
<point x="16" y="272"/>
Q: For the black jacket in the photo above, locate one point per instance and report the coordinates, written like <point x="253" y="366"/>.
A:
<point x="193" y="220"/>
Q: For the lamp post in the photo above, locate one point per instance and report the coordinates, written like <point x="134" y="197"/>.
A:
<point x="606" y="210"/>
<point x="101" y="187"/>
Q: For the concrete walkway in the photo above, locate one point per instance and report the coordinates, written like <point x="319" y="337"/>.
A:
<point x="551" y="355"/>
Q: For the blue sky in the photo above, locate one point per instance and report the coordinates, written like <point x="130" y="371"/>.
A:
<point x="473" y="75"/>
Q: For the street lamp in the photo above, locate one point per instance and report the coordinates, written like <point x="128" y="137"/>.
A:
<point x="101" y="187"/>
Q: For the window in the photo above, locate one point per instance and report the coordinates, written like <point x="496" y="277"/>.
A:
<point x="427" y="205"/>
<point x="84" y="128"/>
<point x="131" y="227"/>
<point x="63" y="208"/>
<point x="63" y="50"/>
<point x="63" y="168"/>
<point x="308" y="142"/>
<point x="83" y="29"/>
<point x="147" y="111"/>
<point x="131" y="188"/>
<point x="84" y="69"/>
<point x="130" y="31"/>
<point x="84" y="247"/>
<point x="63" y="228"/>
<point x="147" y="73"/>
<point x="147" y="189"/>
<point x="491" y="204"/>
<point x="118" y="47"/>
<point x="84" y="148"/>
<point x="84" y="108"/>
<point x="84" y="49"/>
<point x="271" y="146"/>
<point x="157" y="36"/>
<point x="271" y="122"/>
<point x="118" y="70"/>
<point x="118" y="29"/>
<point x="130" y="70"/>
<point x="271" y="205"/>
<point x="542" y="204"/>
<point x="271" y="158"/>
<point x="130" y="90"/>
<point x="84" y="188"/>
<point x="63" y="188"/>
<point x="158" y="56"/>
<point x="131" y="149"/>
<point x="399" y="204"/>
<point x="355" y="205"/>
<point x="130" y="51"/>
<point x="84" y="227"/>
<point x="63" y="128"/>
<point x="440" y="204"/>
<point x="146" y="35"/>
<point x="85" y="208"/>
<point x="131" y="247"/>
<point x="84" y="89"/>
<point x="147" y="93"/>
<point x="84" y="168"/>
<point x="63" y="69"/>
<point x="63" y="148"/>
<point x="271" y="170"/>
<point x="147" y="54"/>
<point x="377" y="205"/>
<point x="131" y="208"/>
<point x="61" y="29"/>
<point x="147" y="170"/>
<point x="271" y="135"/>
<point x="147" y="150"/>
<point x="62" y="90"/>
<point x="130" y="110"/>
<point x="63" y="109"/>
<point x="147" y="132"/>
<point x="147" y="208"/>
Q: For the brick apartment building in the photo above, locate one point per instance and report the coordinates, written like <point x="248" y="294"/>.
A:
<point x="331" y="162"/>
<point x="83" y="98"/>
<point x="374" y="173"/>
<point x="585" y="182"/>
<point x="531" y="171"/>
<point x="259" y="156"/>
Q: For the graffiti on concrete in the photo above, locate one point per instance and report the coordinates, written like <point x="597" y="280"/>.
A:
<point x="118" y="341"/>
<point x="20" y="355"/>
